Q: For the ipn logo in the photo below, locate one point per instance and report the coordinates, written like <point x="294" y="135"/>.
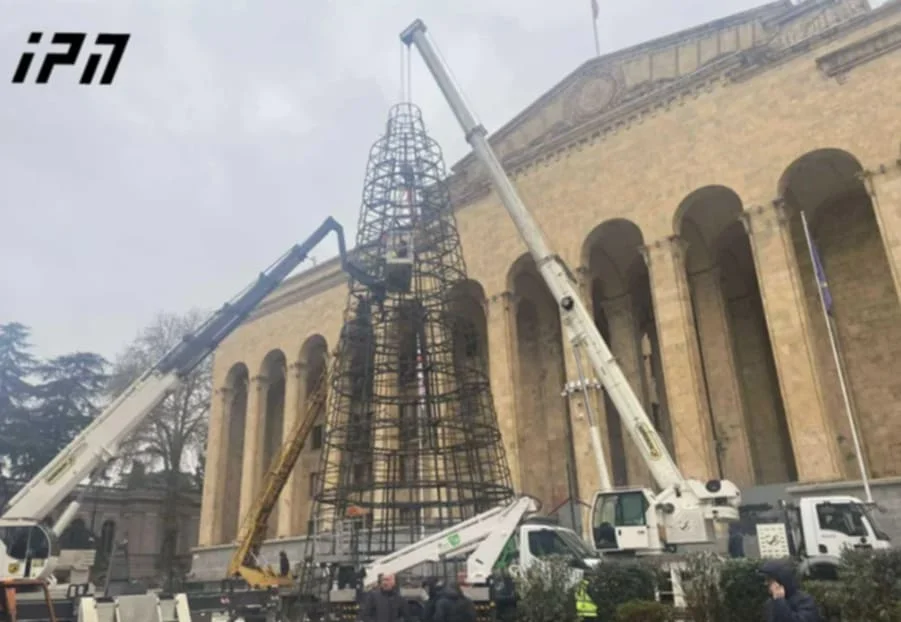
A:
<point x="115" y="44"/>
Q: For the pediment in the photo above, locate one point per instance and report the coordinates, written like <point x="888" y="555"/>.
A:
<point x="602" y="85"/>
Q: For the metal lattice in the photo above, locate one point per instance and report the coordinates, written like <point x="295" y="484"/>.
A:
<point x="412" y="443"/>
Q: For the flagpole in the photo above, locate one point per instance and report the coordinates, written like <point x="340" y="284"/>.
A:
<point x="595" y="10"/>
<point x="833" y="343"/>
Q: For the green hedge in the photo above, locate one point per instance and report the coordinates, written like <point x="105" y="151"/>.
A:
<point x="716" y="590"/>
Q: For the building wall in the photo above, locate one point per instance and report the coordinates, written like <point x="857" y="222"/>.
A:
<point x="674" y="190"/>
<point x="132" y="515"/>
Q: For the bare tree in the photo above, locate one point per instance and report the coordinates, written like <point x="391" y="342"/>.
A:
<point x="171" y="442"/>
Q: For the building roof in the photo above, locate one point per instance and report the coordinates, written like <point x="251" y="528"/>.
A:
<point x="610" y="90"/>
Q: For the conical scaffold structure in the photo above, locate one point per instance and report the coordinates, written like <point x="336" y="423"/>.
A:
<point x="412" y="444"/>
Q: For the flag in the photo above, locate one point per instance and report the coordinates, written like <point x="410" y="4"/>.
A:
<point x="595" y="9"/>
<point x="819" y="272"/>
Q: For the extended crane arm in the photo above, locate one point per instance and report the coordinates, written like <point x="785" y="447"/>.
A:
<point x="577" y="321"/>
<point x="483" y="537"/>
<point x="253" y="528"/>
<point x="98" y="443"/>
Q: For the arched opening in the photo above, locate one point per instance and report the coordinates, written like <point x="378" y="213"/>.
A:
<point x="235" y="421"/>
<point x="623" y="312"/>
<point x="864" y="311"/>
<point x="544" y="428"/>
<point x="77" y="536"/>
<point x="107" y="538"/>
<point x="314" y="360"/>
<point x="741" y="386"/>
<point x="274" y="369"/>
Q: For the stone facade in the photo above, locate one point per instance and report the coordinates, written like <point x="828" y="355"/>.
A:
<point x="671" y="177"/>
<point x="134" y="514"/>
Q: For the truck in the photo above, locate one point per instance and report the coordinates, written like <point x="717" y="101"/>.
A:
<point x="31" y="552"/>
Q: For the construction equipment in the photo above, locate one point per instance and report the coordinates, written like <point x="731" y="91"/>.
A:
<point x="31" y="548"/>
<point x="626" y="520"/>
<point x="685" y="510"/>
<point x="246" y="563"/>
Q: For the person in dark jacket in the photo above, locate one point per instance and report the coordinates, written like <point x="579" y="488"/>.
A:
<point x="454" y="606"/>
<point x="433" y="588"/>
<point x="787" y="602"/>
<point x="384" y="603"/>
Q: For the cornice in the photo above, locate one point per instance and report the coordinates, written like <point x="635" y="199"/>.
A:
<point x="303" y="286"/>
<point x="776" y="57"/>
<point x="618" y="57"/>
<point x="734" y="68"/>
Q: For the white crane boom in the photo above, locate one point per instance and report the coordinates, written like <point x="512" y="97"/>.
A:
<point x="483" y="537"/>
<point x="99" y="443"/>
<point x="577" y="321"/>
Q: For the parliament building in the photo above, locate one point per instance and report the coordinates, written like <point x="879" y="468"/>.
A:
<point x="672" y="178"/>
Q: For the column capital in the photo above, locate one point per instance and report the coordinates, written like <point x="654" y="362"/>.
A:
<point x="672" y="244"/>
<point x="505" y="298"/>
<point x="620" y="305"/>
<point x="260" y="381"/>
<point x="297" y="368"/>
<point x="224" y="392"/>
<point x="764" y="217"/>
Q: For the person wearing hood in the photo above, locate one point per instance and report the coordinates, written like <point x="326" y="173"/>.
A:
<point x="384" y="603"/>
<point x="454" y="606"/>
<point x="433" y="588"/>
<point x="787" y="602"/>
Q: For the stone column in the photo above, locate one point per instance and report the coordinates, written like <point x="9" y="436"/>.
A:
<point x="683" y="377"/>
<point x="620" y="314"/>
<point x="722" y="376"/>
<point x="500" y="320"/>
<point x="295" y="411"/>
<point x="254" y="430"/>
<point x="215" y="477"/>
<point x="884" y="186"/>
<point x="813" y="439"/>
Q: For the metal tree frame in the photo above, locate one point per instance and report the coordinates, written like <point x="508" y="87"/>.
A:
<point x="412" y="443"/>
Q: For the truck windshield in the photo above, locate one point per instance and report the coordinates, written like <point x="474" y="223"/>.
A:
<point x="548" y="542"/>
<point x="877" y="529"/>
<point x="849" y="519"/>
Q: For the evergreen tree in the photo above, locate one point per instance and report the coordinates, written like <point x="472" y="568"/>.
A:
<point x="66" y="401"/>
<point x="16" y="393"/>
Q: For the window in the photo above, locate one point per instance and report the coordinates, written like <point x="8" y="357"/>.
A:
<point x="314" y="484"/>
<point x="107" y="537"/>
<point x="361" y="474"/>
<point x="407" y="516"/>
<point x="845" y="518"/>
<point x="317" y="437"/>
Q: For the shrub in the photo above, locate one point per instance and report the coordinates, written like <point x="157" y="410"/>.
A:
<point x="644" y="611"/>
<point x="828" y="596"/>
<point x="615" y="583"/>
<point x="544" y="593"/>
<point x="742" y="590"/>
<point x="871" y="586"/>
<point x="701" y="584"/>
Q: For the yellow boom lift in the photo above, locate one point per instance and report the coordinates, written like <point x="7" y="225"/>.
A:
<point x="246" y="563"/>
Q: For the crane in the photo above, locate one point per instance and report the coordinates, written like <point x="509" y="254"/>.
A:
<point x="31" y="550"/>
<point x="244" y="562"/>
<point x="684" y="511"/>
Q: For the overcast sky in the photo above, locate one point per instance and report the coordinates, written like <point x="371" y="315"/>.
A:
<point x="234" y="127"/>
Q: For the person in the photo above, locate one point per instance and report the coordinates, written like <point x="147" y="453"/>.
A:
<point x="453" y="605"/>
<point x="736" y="541"/>
<point x="384" y="603"/>
<point x="433" y="588"/>
<point x="787" y="603"/>
<point x="284" y="565"/>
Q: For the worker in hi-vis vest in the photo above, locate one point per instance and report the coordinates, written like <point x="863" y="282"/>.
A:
<point x="585" y="607"/>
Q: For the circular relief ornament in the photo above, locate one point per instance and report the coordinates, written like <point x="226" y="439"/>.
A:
<point x="594" y="91"/>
